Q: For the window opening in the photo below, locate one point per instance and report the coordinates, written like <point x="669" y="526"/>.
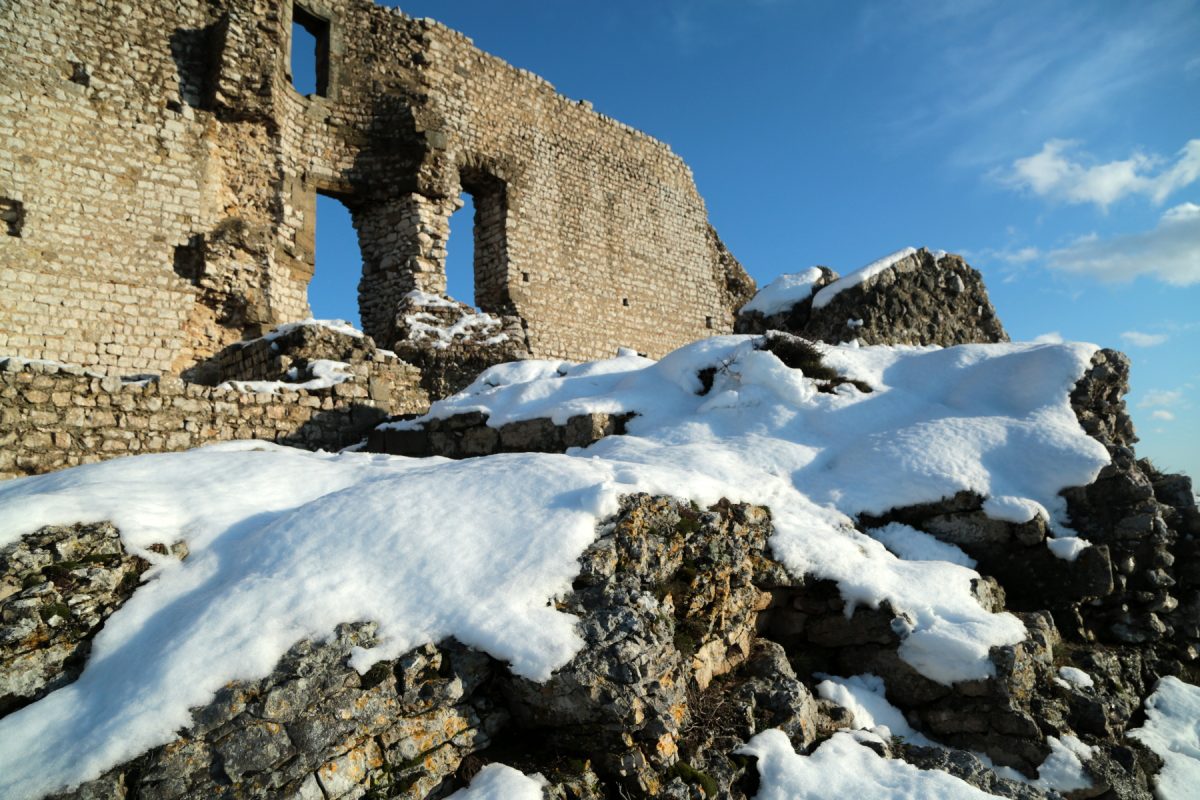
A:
<point x="12" y="214"/>
<point x="333" y="290"/>
<point x="310" y="53"/>
<point x="460" y="252"/>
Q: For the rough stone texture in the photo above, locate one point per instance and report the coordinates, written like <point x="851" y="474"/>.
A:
<point x="54" y="416"/>
<point x="57" y="586"/>
<point x="451" y="343"/>
<point x="922" y="299"/>
<point x="315" y="728"/>
<point x="158" y="176"/>
<point x="468" y="435"/>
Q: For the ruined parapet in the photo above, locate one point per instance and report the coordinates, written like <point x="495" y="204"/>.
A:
<point x="158" y="184"/>
<point x="58" y="415"/>
<point x="451" y="342"/>
<point x="917" y="297"/>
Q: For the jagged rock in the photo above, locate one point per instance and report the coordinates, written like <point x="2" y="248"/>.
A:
<point x="924" y="298"/>
<point x="57" y="586"/>
<point x="968" y="767"/>
<point x="315" y="728"/>
<point x="667" y="603"/>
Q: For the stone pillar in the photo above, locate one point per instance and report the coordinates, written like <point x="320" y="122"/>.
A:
<point x="403" y="243"/>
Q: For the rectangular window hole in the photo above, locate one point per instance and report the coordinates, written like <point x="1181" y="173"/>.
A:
<point x="625" y="301"/>
<point x="189" y="258"/>
<point x="12" y="214"/>
<point x="310" y="52"/>
<point x="79" y="74"/>
<point x="708" y="322"/>
<point x="524" y="277"/>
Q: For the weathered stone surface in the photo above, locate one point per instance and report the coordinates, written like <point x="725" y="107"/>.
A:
<point x="57" y="586"/>
<point x="316" y="728"/>
<point x="925" y="298"/>
<point x="468" y="435"/>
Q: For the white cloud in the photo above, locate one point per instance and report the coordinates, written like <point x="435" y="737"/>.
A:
<point x="1056" y="172"/>
<point x="1160" y="397"/>
<point x="1139" y="339"/>
<point x="1052" y="337"/>
<point x="1170" y="252"/>
<point x="1163" y="414"/>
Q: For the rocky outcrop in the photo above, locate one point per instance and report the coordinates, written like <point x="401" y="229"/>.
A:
<point x="57" y="586"/>
<point x="694" y="640"/>
<point x="924" y="298"/>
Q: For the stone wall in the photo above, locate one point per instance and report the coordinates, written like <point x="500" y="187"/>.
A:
<point x="158" y="176"/>
<point x="54" y="416"/>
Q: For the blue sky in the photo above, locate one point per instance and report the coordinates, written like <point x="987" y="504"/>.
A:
<point x="1055" y="145"/>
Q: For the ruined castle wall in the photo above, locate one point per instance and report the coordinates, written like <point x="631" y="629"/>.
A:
<point x="54" y="416"/>
<point x="108" y="179"/>
<point x="158" y="175"/>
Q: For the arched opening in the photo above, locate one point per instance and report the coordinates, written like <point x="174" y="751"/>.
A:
<point x="460" y="252"/>
<point x="333" y="290"/>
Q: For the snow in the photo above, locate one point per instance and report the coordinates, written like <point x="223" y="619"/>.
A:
<point x="423" y="326"/>
<point x="914" y="545"/>
<point x="844" y="767"/>
<point x="865" y="697"/>
<point x="46" y="364"/>
<point x="859" y="276"/>
<point x="784" y="292"/>
<point x="1063" y="769"/>
<point x="500" y="782"/>
<point x="325" y="373"/>
<point x="1075" y="676"/>
<point x="1172" y="730"/>
<point x="298" y="542"/>
<point x="433" y="300"/>
<point x="339" y="325"/>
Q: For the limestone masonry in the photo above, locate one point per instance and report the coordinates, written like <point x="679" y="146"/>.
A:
<point x="159" y="172"/>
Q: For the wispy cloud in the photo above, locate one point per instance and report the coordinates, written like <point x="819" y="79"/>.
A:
<point x="1170" y="252"/>
<point x="1060" y="172"/>
<point x="1139" y="339"/>
<point x="994" y="82"/>
<point x="1157" y="398"/>
<point x="1163" y="414"/>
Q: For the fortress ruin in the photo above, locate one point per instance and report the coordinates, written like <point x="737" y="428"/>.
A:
<point x="159" y="172"/>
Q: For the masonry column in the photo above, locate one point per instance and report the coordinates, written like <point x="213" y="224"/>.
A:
<point x="403" y="243"/>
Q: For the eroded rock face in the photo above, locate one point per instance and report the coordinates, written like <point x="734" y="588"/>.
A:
<point x="57" y="586"/>
<point x="667" y="604"/>
<point x="924" y="298"/>
<point x="315" y="728"/>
